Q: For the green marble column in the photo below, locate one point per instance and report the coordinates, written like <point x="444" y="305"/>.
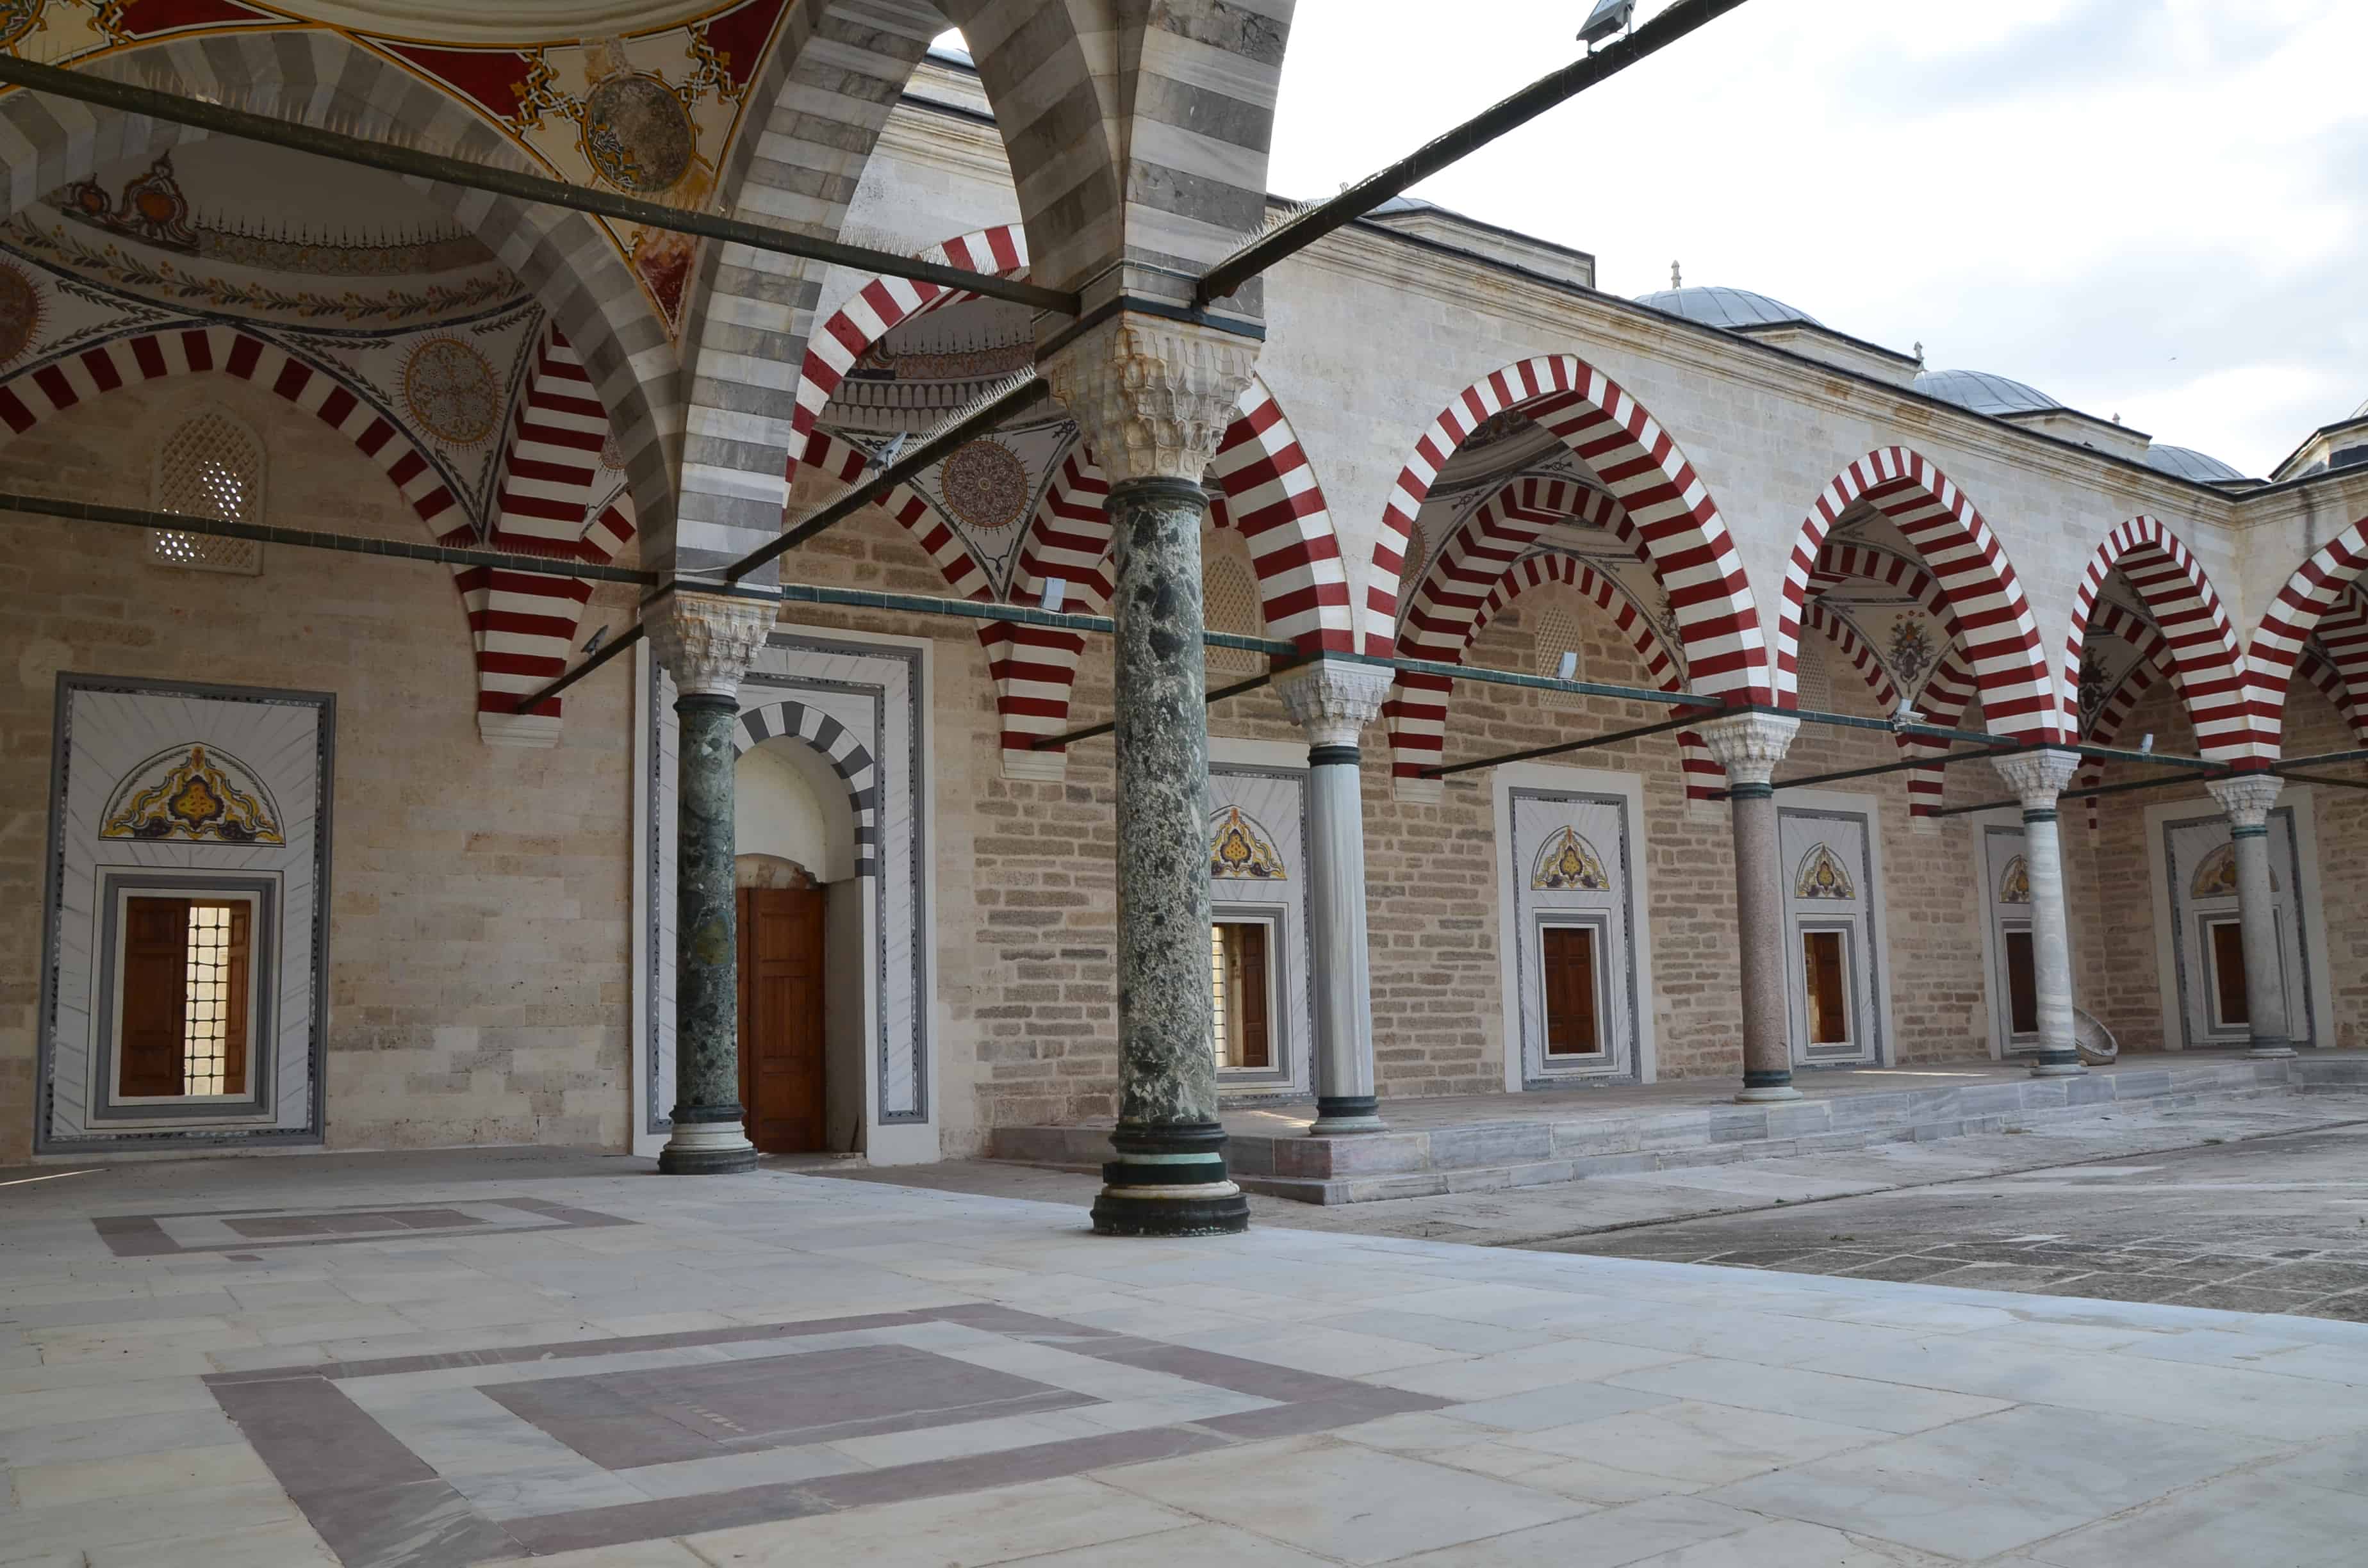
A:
<point x="1169" y="1176"/>
<point x="706" y="978"/>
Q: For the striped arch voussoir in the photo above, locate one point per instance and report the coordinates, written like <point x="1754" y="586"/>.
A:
<point x="847" y="757"/>
<point x="1997" y="633"/>
<point x="2205" y="661"/>
<point x="2302" y="606"/>
<point x="1674" y="516"/>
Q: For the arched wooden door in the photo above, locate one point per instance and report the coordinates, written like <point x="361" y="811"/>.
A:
<point x="782" y="1018"/>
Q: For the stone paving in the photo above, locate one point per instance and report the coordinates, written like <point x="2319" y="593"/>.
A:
<point x="513" y="1356"/>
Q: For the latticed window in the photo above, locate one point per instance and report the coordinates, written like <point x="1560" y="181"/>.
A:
<point x="211" y="467"/>
<point x="1557" y="633"/>
<point x="1813" y="678"/>
<point x="1229" y="602"/>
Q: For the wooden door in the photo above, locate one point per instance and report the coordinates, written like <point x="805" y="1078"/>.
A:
<point x="1568" y="956"/>
<point x="781" y="1017"/>
<point x="155" y="996"/>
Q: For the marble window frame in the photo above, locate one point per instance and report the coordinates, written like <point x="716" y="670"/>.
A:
<point x="117" y="884"/>
<point x="213" y="1133"/>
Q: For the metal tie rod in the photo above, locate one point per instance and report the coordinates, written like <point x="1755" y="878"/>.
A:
<point x="1295" y="234"/>
<point x="310" y="538"/>
<point x="1054" y="742"/>
<point x="418" y="164"/>
<point x="633" y="634"/>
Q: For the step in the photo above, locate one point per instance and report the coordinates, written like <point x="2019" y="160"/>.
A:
<point x="1494" y="1153"/>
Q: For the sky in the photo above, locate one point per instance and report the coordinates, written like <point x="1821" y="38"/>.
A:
<point x="2151" y="208"/>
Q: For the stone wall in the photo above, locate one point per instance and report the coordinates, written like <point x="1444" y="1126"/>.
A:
<point x="477" y="992"/>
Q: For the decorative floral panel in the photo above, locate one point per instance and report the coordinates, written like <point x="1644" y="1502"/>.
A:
<point x="1240" y="850"/>
<point x="1821" y="876"/>
<point x="189" y="794"/>
<point x="2014" y="886"/>
<point x="1568" y="864"/>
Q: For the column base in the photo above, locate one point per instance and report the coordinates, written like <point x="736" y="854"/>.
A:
<point x="2271" y="1051"/>
<point x="2058" y="1064"/>
<point x="720" y="1147"/>
<point x="1766" y="1088"/>
<point x="1346" y="1113"/>
<point x="1170" y="1181"/>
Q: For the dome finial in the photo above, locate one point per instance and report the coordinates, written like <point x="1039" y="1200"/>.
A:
<point x="1677" y="275"/>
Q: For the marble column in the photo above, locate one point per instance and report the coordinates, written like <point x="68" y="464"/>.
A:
<point x="1155" y="398"/>
<point x="1749" y="746"/>
<point x="706" y="643"/>
<point x="2248" y="801"/>
<point x="1333" y="702"/>
<point x="2039" y="777"/>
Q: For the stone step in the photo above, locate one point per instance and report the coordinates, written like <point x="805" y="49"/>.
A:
<point x="1490" y="1154"/>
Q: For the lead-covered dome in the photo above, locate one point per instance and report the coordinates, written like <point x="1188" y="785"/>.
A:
<point x="1983" y="392"/>
<point x="2186" y="462"/>
<point x="1728" y="308"/>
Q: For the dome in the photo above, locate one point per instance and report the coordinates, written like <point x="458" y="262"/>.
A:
<point x="2186" y="462"/>
<point x="1728" y="308"/>
<point x="1983" y="392"/>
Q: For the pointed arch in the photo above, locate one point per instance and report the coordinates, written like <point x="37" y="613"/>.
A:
<point x="2153" y="661"/>
<point x="839" y="747"/>
<point x="2275" y="653"/>
<point x="2340" y="649"/>
<point x="324" y="79"/>
<point x="2205" y="661"/>
<point x="1686" y="541"/>
<point x="1997" y="630"/>
<point x="847" y="463"/>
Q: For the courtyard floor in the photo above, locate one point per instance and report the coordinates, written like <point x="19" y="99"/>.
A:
<point x="457" y="1358"/>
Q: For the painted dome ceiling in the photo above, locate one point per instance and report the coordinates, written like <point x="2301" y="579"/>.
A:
<point x="263" y="232"/>
<point x="511" y="21"/>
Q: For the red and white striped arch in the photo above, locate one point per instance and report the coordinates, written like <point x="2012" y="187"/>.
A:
<point x="549" y="502"/>
<point x="1262" y="472"/>
<point x="2312" y="596"/>
<point x="2342" y="649"/>
<point x="2154" y="659"/>
<point x="1852" y="646"/>
<point x="1726" y="651"/>
<point x="1995" y="624"/>
<point x="2205" y="661"/>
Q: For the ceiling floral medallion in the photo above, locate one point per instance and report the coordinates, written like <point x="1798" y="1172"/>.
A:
<point x="987" y="485"/>
<point x="1568" y="864"/>
<point x="1241" y="851"/>
<point x="18" y="17"/>
<point x="638" y="134"/>
<point x="22" y="309"/>
<point x="190" y="794"/>
<point x="451" y="391"/>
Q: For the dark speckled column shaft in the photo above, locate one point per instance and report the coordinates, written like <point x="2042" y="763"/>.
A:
<point x="1170" y="1175"/>
<point x="707" y="1000"/>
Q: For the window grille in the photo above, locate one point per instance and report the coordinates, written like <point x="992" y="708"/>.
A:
<point x="211" y="467"/>
<point x="205" y="1027"/>
<point x="1813" y="676"/>
<point x="1229" y="602"/>
<point x="1558" y="633"/>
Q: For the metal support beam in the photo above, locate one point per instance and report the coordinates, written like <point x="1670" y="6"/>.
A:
<point x="1614" y="738"/>
<point x="377" y="153"/>
<point x="1054" y="742"/>
<point x="2322" y="778"/>
<point x="2323" y="759"/>
<point x="2097" y="793"/>
<point x="1024" y="392"/>
<point x="1296" y="234"/>
<point x="1949" y="760"/>
<point x="308" y="539"/>
<point x="529" y="704"/>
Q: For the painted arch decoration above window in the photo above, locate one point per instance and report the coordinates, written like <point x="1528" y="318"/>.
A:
<point x="1240" y="850"/>
<point x="2216" y="877"/>
<point x="192" y="793"/>
<point x="1568" y="863"/>
<point x="1821" y="876"/>
<point x="2014" y="886"/>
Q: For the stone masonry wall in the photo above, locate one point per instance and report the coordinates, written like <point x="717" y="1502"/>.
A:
<point x="478" y="924"/>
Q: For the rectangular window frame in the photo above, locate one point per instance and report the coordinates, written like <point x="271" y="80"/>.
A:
<point x="1853" y="1047"/>
<point x="2028" y="1040"/>
<point x="1276" y="918"/>
<point x="117" y="887"/>
<point x="1608" y="1055"/>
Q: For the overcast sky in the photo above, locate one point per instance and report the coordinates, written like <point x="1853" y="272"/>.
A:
<point x="2151" y="208"/>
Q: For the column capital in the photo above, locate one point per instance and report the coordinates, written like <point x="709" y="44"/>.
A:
<point x="1749" y="746"/>
<point x="1333" y="699"/>
<point x="708" y="640"/>
<point x="2037" y="777"/>
<point x="1154" y="397"/>
<point x="2248" y="797"/>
